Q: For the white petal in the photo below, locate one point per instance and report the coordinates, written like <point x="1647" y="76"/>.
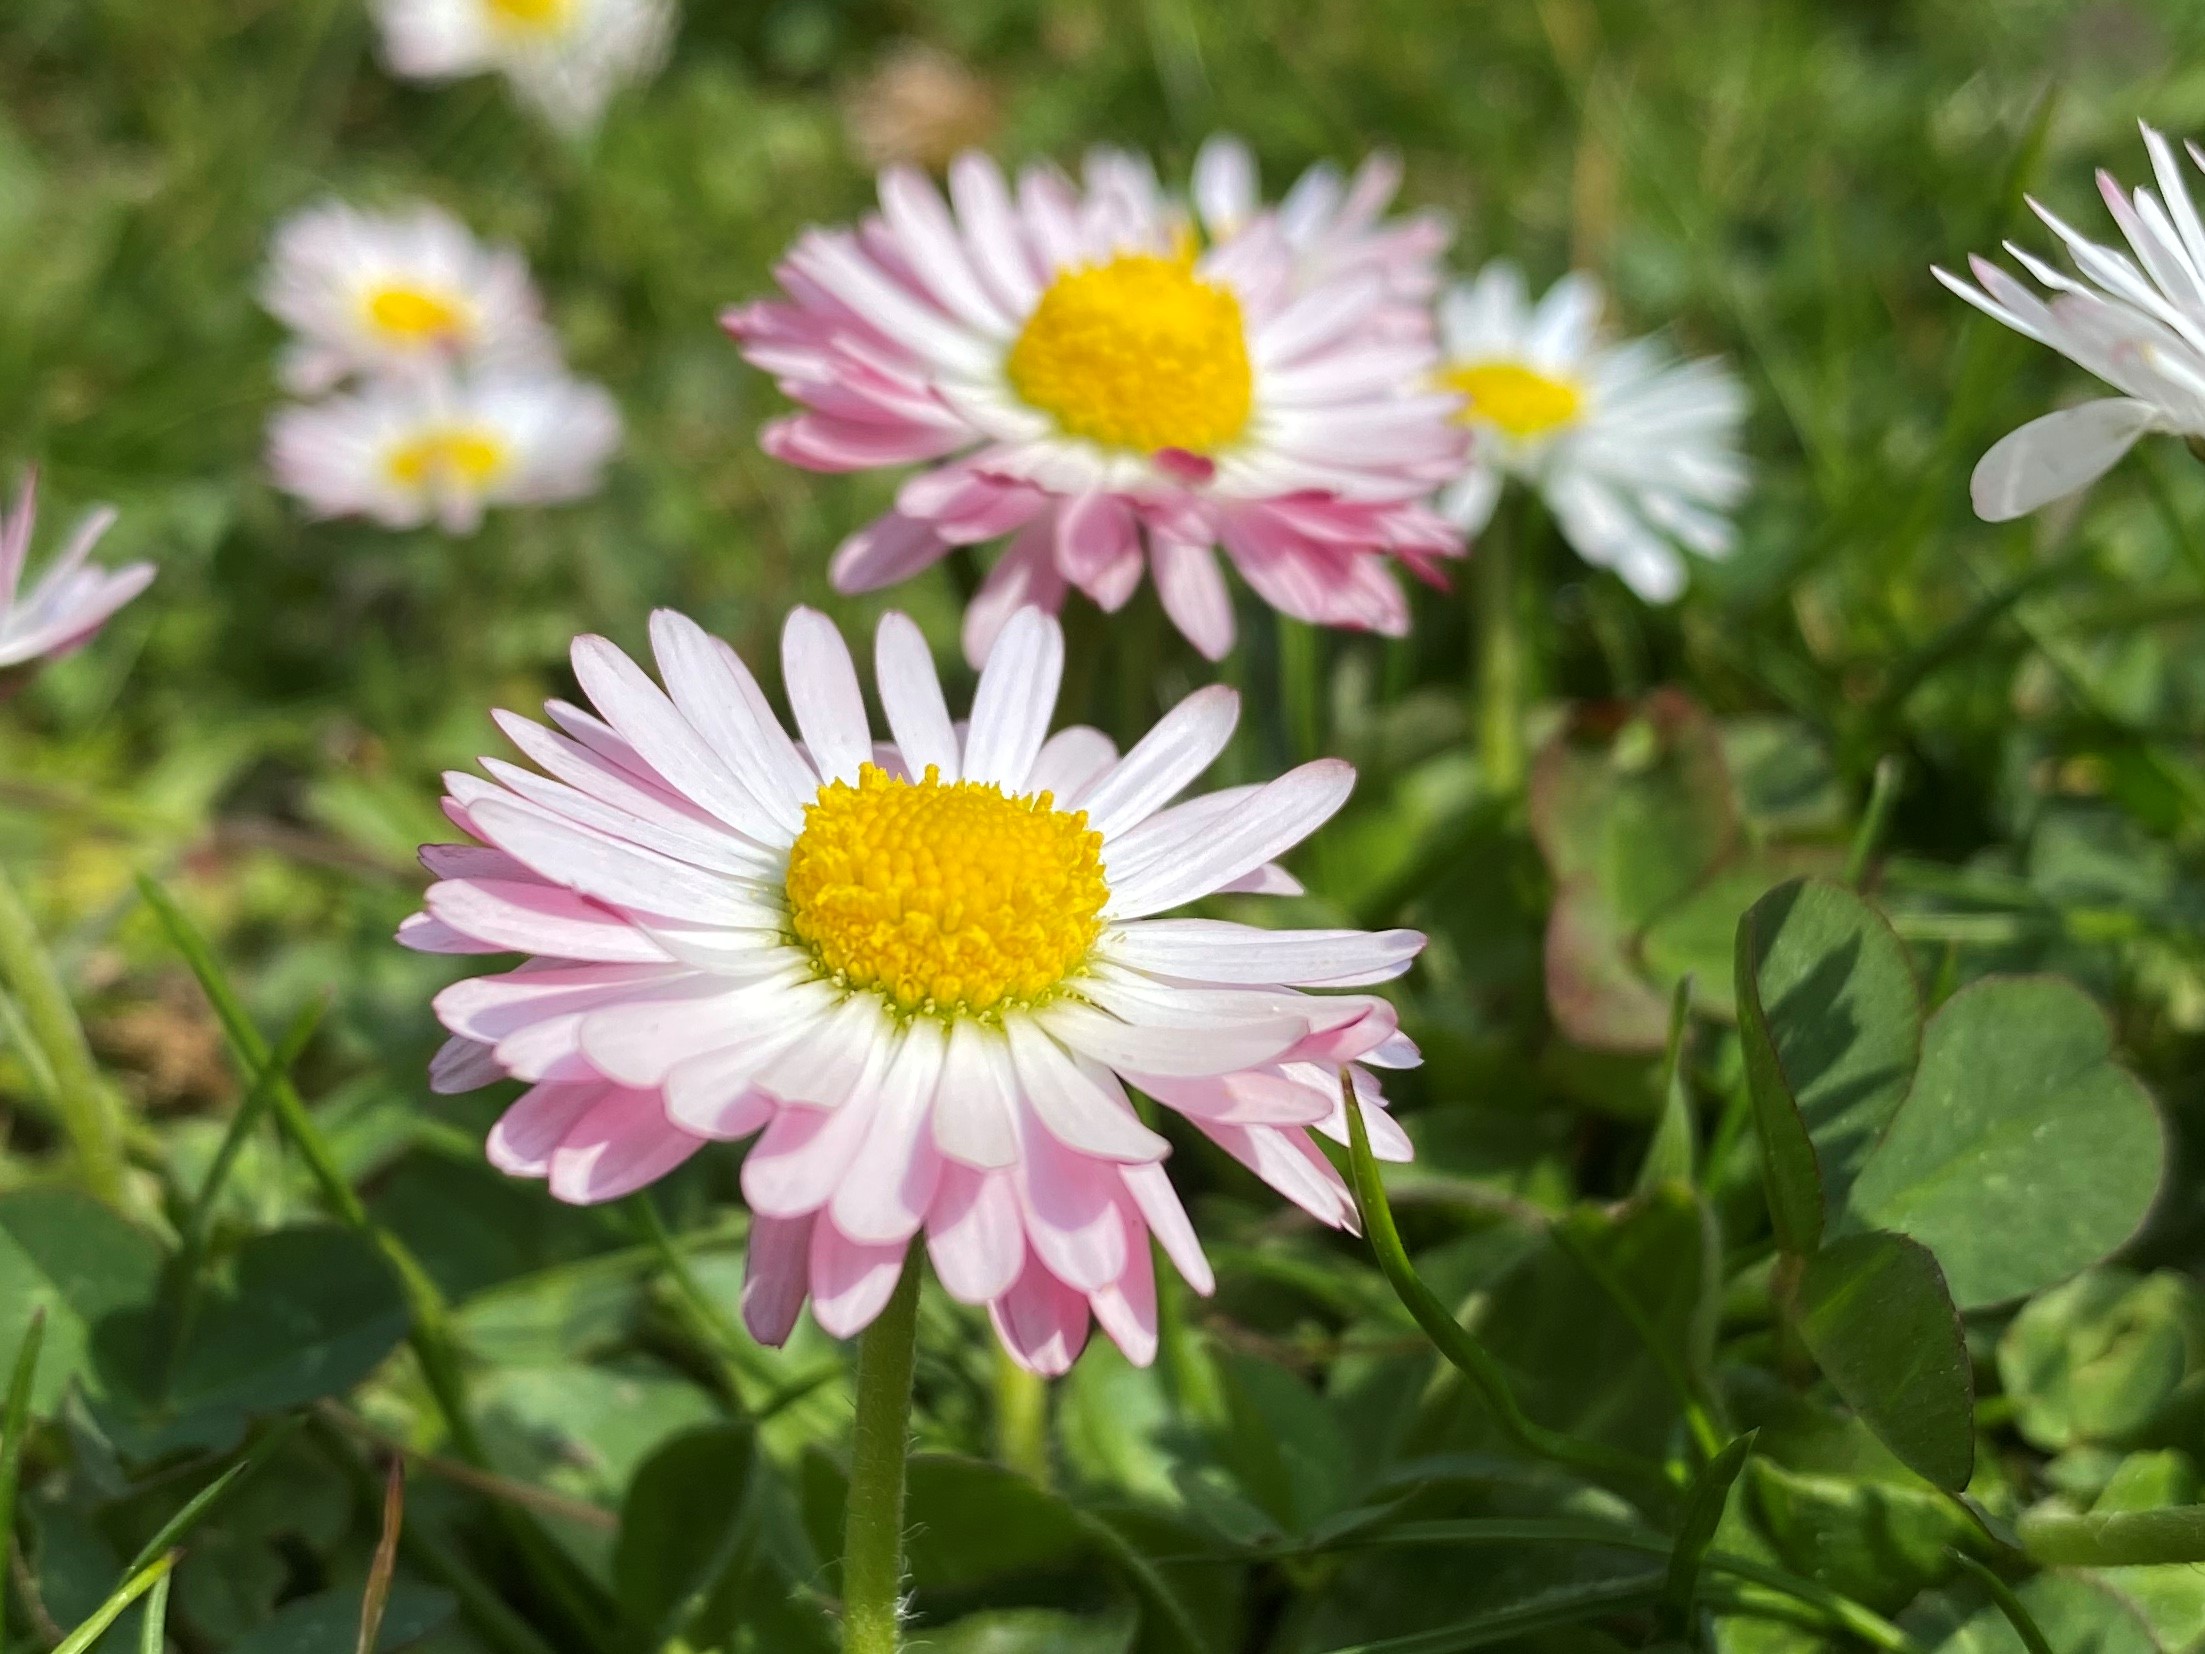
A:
<point x="666" y="741"/>
<point x="976" y="1106"/>
<point x="1184" y="743"/>
<point x="1017" y="694"/>
<point x="824" y="692"/>
<point x="1167" y="1219"/>
<point x="1083" y="1106"/>
<point x="724" y="705"/>
<point x="1212" y="950"/>
<point x="2054" y="456"/>
<point x="1070" y="762"/>
<point x="1165" y="864"/>
<point x="609" y="871"/>
<point x="911" y="695"/>
<point x="1136" y="1048"/>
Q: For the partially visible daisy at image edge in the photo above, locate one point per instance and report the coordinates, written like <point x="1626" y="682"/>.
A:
<point x="444" y="448"/>
<point x="2141" y="330"/>
<point x="920" y="971"/>
<point x="565" y="57"/>
<point x="398" y="292"/>
<point x="1635" y="452"/>
<point x="71" y="599"/>
<point x="1124" y="387"/>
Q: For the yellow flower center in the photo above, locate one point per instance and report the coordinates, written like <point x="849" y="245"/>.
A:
<point x="415" y="316"/>
<point x="945" y="896"/>
<point x="458" y="454"/>
<point x="529" y="16"/>
<point x="1137" y="353"/>
<point x="1522" y="401"/>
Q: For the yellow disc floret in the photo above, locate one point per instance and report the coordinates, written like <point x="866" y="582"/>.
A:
<point x="1139" y="353"/>
<point x="416" y="316"/>
<point x="1522" y="401"/>
<point x="945" y="896"/>
<point x="529" y="16"/>
<point x="457" y="455"/>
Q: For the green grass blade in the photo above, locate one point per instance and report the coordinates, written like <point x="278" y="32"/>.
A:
<point x="177" y="1526"/>
<point x="1470" y="1357"/>
<point x="108" y="1612"/>
<point x="1703" y="1514"/>
<point x="153" y="1634"/>
<point x="89" y="1115"/>
<point x="16" y="1422"/>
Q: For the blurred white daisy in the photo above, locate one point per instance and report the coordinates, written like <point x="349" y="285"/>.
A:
<point x="67" y="603"/>
<point x="398" y="292"/>
<point x="1635" y="452"/>
<point x="443" y="449"/>
<point x="567" y="57"/>
<point x="2140" y="330"/>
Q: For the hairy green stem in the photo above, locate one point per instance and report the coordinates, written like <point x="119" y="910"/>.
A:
<point x="872" y="1544"/>
<point x="88" y="1113"/>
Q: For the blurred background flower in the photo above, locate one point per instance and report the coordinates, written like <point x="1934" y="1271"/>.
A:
<point x="1634" y="452"/>
<point x="380" y="294"/>
<point x="566" y="58"/>
<point x="71" y="598"/>
<point x="444" y="448"/>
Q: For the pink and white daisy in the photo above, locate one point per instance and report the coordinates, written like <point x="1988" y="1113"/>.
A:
<point x="1337" y="229"/>
<point x="921" y="971"/>
<point x="398" y="293"/>
<point x="565" y="57"/>
<point x="2141" y="330"/>
<point x="71" y="600"/>
<point x="443" y="448"/>
<point x="1075" y="367"/>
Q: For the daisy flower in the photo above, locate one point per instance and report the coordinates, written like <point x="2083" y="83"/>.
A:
<point x="71" y="600"/>
<point x="1337" y="229"/>
<point x="397" y="293"/>
<point x="2141" y="330"/>
<point x="566" y="57"/>
<point x="1076" y="367"/>
<point x="444" y="448"/>
<point x="1635" y="452"/>
<point x="920" y="971"/>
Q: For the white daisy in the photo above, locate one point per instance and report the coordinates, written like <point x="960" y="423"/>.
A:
<point x="2141" y="330"/>
<point x="443" y="448"/>
<point x="567" y="57"/>
<point x="1635" y="452"/>
<point x="399" y="292"/>
<point x="921" y="970"/>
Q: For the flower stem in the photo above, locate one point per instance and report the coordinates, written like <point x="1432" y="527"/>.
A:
<point x="1500" y="708"/>
<point x="88" y="1114"/>
<point x="872" y="1543"/>
<point x="1021" y="1418"/>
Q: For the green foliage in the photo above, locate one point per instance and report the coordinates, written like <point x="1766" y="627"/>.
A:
<point x="1874" y="1312"/>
